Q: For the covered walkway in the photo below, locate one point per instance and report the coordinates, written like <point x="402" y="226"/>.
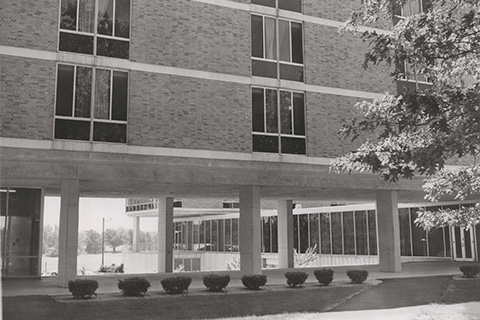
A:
<point x="108" y="284"/>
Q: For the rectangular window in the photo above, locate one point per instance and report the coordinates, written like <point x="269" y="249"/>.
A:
<point x="73" y="109"/>
<point x="287" y="63"/>
<point x="109" y="34"/>
<point x="290" y="5"/>
<point x="325" y="235"/>
<point x="278" y="121"/>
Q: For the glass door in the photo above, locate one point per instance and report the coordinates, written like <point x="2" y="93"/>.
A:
<point x="463" y="244"/>
<point x="20" y="231"/>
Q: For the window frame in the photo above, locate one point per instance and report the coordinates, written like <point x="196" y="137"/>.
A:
<point x="92" y="118"/>
<point x="95" y="33"/>
<point x="279" y="133"/>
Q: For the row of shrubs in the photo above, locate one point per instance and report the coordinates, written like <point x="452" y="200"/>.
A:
<point x="136" y="286"/>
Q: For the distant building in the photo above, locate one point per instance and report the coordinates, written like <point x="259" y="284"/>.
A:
<point x="221" y="99"/>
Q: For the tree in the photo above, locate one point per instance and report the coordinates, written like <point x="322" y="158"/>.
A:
<point x="116" y="237"/>
<point x="50" y="240"/>
<point x="92" y="242"/>
<point x="419" y="131"/>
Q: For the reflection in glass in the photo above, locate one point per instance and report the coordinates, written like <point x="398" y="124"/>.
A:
<point x="68" y="19"/>
<point x="271" y="111"/>
<point x="286" y="112"/>
<point x="72" y="129"/>
<point x="337" y="236"/>
<point x="265" y="144"/>
<point x="113" y="48"/>
<point x="361" y="232"/>
<point x="325" y="233"/>
<point x="109" y="132"/>
<point x="122" y="18"/>
<point x="314" y="232"/>
<point x="83" y="92"/>
<point x="293" y="145"/>
<point x="102" y="94"/>
<point x="78" y="43"/>
<point x="105" y="17"/>
<point x="348" y="233"/>
<point x="405" y="243"/>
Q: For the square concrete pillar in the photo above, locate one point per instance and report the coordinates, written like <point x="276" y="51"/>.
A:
<point x="68" y="232"/>
<point x="285" y="234"/>
<point x="165" y="235"/>
<point x="250" y="232"/>
<point x="136" y="234"/>
<point x="388" y="231"/>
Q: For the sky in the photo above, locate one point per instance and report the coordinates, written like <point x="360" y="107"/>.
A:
<point x="92" y="210"/>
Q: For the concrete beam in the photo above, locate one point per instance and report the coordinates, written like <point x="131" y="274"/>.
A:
<point x="388" y="231"/>
<point x="68" y="232"/>
<point x="250" y="233"/>
<point x="165" y="235"/>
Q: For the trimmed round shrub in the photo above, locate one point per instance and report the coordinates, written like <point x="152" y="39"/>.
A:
<point x="176" y="285"/>
<point x="295" y="279"/>
<point x="357" y="276"/>
<point x="134" y="287"/>
<point x="216" y="282"/>
<point x="324" y="276"/>
<point x="82" y="288"/>
<point x="470" y="270"/>
<point x="254" y="281"/>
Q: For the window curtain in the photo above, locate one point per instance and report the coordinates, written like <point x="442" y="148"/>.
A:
<point x="105" y="17"/>
<point x="284" y="38"/>
<point x="270" y="39"/>
<point x="102" y="94"/>
<point x="86" y="15"/>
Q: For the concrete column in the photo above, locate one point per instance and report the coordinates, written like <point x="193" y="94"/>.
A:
<point x="388" y="231"/>
<point x="285" y="234"/>
<point x="165" y="235"/>
<point x="136" y="234"/>
<point x="68" y="232"/>
<point x="249" y="230"/>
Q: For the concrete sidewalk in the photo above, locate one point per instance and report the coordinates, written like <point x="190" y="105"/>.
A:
<point x="108" y="283"/>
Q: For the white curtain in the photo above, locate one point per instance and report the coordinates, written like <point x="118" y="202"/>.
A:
<point x="270" y="39"/>
<point x="86" y="15"/>
<point x="102" y="94"/>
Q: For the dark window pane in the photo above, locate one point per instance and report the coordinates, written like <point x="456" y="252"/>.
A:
<point x="419" y="236"/>
<point x="268" y="3"/>
<point x="201" y="245"/>
<point x="361" y="232"/>
<point x="265" y="144"/>
<point x="122" y="18"/>
<point x="298" y="114"/>
<point x="337" y="237"/>
<point x="214" y="235"/>
<point x="112" y="48"/>
<point x="266" y="234"/>
<point x="105" y="17"/>
<point x="72" y="129"/>
<point x="68" y="19"/>
<point x="426" y="5"/>
<point x="295" y="232"/>
<point x="208" y="235"/>
<point x="436" y="246"/>
<point x="258" y="110"/>
<point x="284" y="40"/>
<point x="448" y="250"/>
<point x="270" y="39"/>
<point x="348" y="233"/>
<point x="228" y="235"/>
<point x="274" y="226"/>
<point x="86" y="16"/>
<point x="83" y="92"/>
<point x="109" y="132"/>
<point x="293" y="145"/>
<point x="314" y="232"/>
<point x="119" y="99"/>
<point x="257" y="36"/>
<point x="271" y="111"/>
<point x="265" y="69"/>
<point x="292" y="5"/>
<point x="235" y="235"/>
<point x="286" y="112"/>
<point x="297" y="43"/>
<point x="372" y="232"/>
<point x="64" y="90"/>
<point x="325" y="233"/>
<point x="291" y="72"/>
<point x="303" y="225"/>
<point x="77" y="43"/>
<point x="405" y="243"/>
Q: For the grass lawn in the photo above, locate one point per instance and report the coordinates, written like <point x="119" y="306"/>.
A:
<point x="313" y="298"/>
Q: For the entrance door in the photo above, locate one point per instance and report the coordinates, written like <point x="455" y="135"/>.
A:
<point x="463" y="244"/>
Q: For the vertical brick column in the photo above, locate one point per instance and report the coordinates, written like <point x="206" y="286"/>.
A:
<point x="165" y="235"/>
<point x="285" y="233"/>
<point x="388" y="231"/>
<point x="68" y="232"/>
<point x="249" y="233"/>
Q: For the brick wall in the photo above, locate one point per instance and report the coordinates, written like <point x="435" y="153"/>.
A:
<point x="179" y="112"/>
<point x="29" y="24"/>
<point x="335" y="60"/>
<point x="325" y="114"/>
<point x="193" y="35"/>
<point x="27" y="91"/>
